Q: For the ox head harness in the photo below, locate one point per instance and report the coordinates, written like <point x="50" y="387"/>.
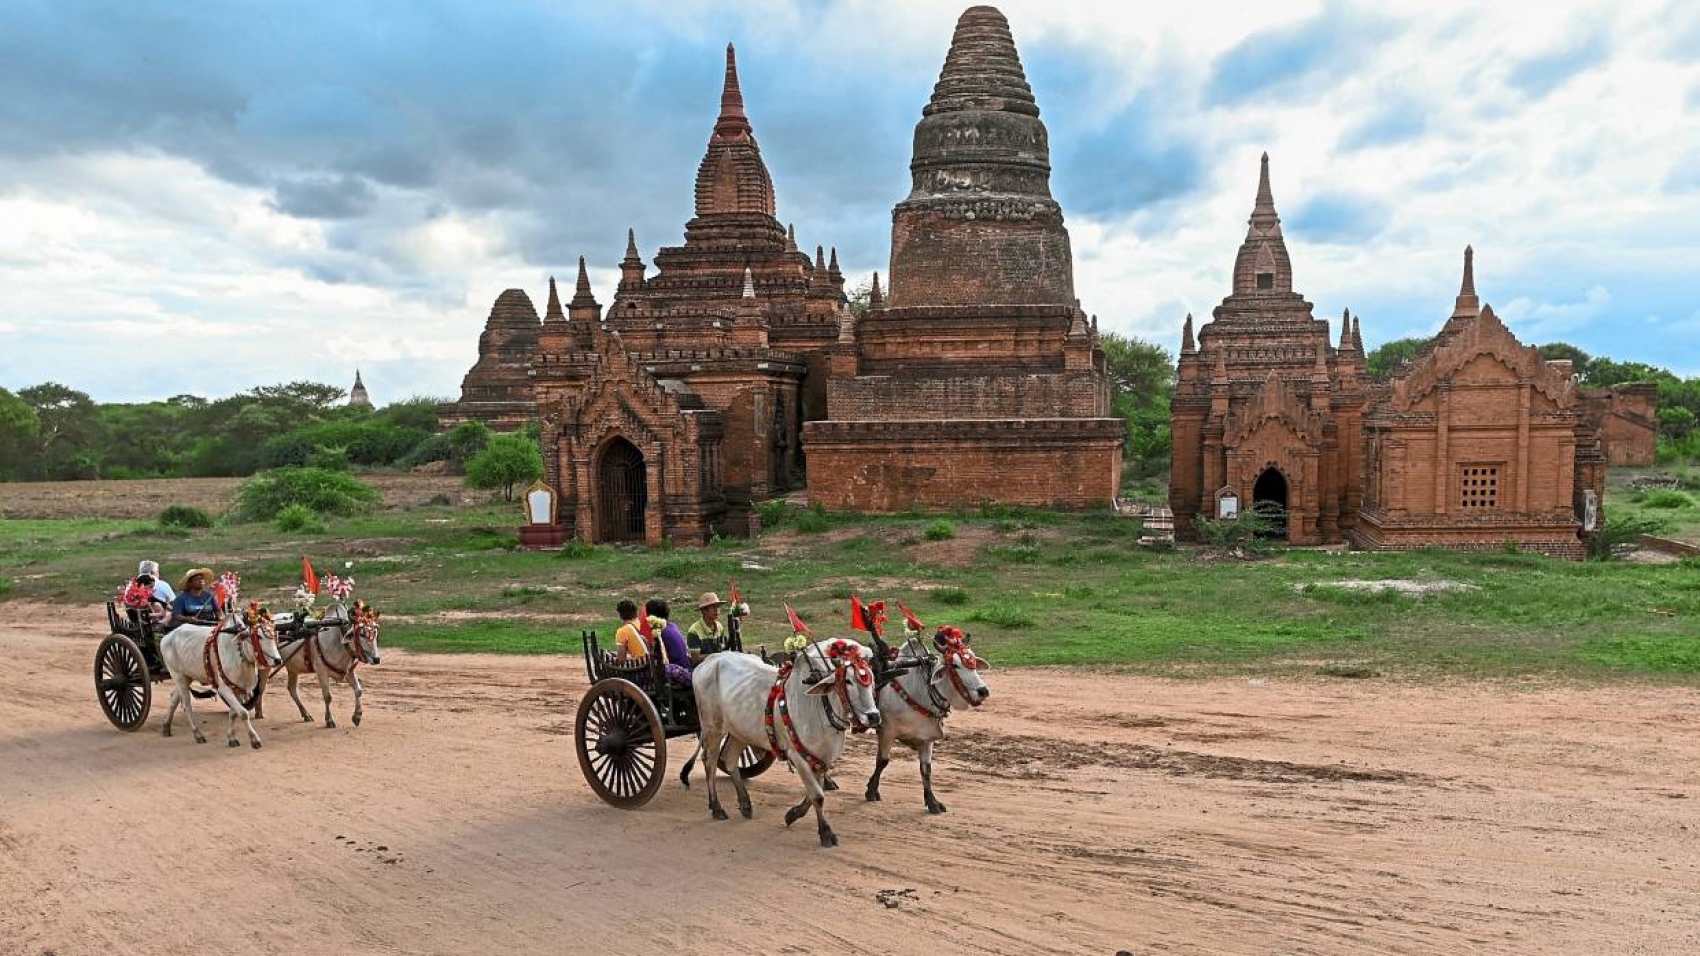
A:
<point x="256" y="627"/>
<point x="846" y="665"/>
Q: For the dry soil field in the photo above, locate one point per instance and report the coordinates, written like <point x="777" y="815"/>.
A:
<point x="1088" y="814"/>
<point x="146" y="497"/>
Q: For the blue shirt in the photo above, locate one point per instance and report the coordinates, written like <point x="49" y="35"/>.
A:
<point x="163" y="592"/>
<point x="188" y="605"/>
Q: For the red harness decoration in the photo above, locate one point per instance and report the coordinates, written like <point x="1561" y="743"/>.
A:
<point x="956" y="649"/>
<point x="778" y="705"/>
<point x="214" y="662"/>
<point x="914" y="705"/>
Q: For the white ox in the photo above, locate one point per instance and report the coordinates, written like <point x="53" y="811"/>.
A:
<point x="227" y="657"/>
<point x="822" y="693"/>
<point x="916" y="702"/>
<point x="335" y="644"/>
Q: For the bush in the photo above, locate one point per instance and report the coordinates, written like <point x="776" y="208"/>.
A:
<point x="681" y="570"/>
<point x="330" y="458"/>
<point x="1666" y="498"/>
<point x="954" y="597"/>
<point x="264" y="496"/>
<point x="5" y="585"/>
<point x="184" y="516"/>
<point x="300" y="518"/>
<point x="359" y="442"/>
<point x="940" y="530"/>
<point x="578" y="549"/>
<point x="466" y="440"/>
<point x="506" y="461"/>
<point x="1004" y="615"/>
<point x="1617" y="536"/>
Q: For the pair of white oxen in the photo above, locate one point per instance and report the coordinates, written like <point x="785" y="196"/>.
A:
<point x="234" y="656"/>
<point x="807" y="707"/>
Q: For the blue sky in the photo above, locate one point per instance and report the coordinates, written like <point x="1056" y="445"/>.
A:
<point x="205" y="197"/>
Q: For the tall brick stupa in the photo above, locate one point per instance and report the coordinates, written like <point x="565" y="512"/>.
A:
<point x="979" y="379"/>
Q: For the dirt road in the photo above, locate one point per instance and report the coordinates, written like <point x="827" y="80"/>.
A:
<point x="1087" y="815"/>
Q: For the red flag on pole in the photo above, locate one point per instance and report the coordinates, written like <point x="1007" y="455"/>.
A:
<point x="309" y="580"/>
<point x="909" y="618"/>
<point x="858" y="616"/>
<point x="797" y="625"/>
<point x="643" y="626"/>
<point x="732" y="598"/>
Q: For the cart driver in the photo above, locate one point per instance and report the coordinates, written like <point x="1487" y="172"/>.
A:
<point x="708" y="634"/>
<point x="195" y="603"/>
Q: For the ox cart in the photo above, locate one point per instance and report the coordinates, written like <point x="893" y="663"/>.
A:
<point x="626" y="718"/>
<point x="127" y="665"/>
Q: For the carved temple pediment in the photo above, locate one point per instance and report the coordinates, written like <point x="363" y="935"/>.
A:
<point x="1483" y="352"/>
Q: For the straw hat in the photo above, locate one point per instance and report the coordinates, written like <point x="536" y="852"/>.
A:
<point x="183" y="584"/>
<point x="709" y="599"/>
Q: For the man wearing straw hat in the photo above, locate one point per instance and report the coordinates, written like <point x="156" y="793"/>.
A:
<point x="708" y="634"/>
<point x="196" y="603"/>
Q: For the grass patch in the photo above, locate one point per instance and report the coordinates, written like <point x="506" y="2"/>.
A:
<point x="1003" y="615"/>
<point x="940" y="530"/>
<point x="484" y="637"/>
<point x="952" y="597"/>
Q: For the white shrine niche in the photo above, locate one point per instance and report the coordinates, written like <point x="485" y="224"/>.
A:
<point x="1227" y="504"/>
<point x="540" y="504"/>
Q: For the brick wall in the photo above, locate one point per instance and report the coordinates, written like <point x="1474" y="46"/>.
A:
<point x="896" y="466"/>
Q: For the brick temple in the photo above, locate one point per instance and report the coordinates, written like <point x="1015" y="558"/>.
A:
<point x="1476" y="444"/>
<point x="976" y="377"/>
<point x="668" y="416"/>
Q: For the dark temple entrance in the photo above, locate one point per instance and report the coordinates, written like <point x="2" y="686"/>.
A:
<point x="1269" y="498"/>
<point x="622" y="492"/>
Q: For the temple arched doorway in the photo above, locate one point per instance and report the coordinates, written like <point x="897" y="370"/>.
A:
<point x="1269" y="499"/>
<point x="622" y="492"/>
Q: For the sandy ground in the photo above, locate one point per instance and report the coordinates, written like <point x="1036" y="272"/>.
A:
<point x="1087" y="815"/>
<point x="146" y="497"/>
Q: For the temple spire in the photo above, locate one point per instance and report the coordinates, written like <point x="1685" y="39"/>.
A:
<point x="1467" y="304"/>
<point x="733" y="124"/>
<point x="832" y="267"/>
<point x="584" y="308"/>
<point x="876" y="298"/>
<point x="581" y="292"/>
<point x="553" y="313"/>
<point x="1187" y="345"/>
<point x="1357" y="336"/>
<point x="791" y="238"/>
<point x="1262" y="265"/>
<point x="1345" y="329"/>
<point x="631" y="245"/>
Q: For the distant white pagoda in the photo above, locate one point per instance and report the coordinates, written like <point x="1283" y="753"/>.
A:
<point x="357" y="397"/>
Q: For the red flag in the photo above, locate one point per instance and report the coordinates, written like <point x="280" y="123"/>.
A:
<point x="733" y="598"/>
<point x="910" y="618"/>
<point x="643" y="626"/>
<point x="309" y="580"/>
<point x="797" y="625"/>
<point x="858" y="616"/>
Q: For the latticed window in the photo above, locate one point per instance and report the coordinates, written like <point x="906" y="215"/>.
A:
<point x="1480" y="487"/>
<point x="1266" y="280"/>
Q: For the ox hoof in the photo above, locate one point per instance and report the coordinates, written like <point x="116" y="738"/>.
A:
<point x="830" y="785"/>
<point x="233" y="742"/>
<point x="256" y="743"/>
<point x="166" y="732"/>
<point x="795" y="813"/>
<point x="935" y="807"/>
<point x="200" y="738"/>
<point x="357" y="719"/>
<point x="718" y="813"/>
<point x="306" y="718"/>
<point x="330" y="725"/>
<point x="747" y="812"/>
<point x="873" y="796"/>
<point x="828" y="838"/>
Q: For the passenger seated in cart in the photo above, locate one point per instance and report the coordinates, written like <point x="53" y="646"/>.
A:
<point x="161" y="590"/>
<point x="195" y="603"/>
<point x="628" y="643"/>
<point x="674" y="651"/>
<point x="708" y="634"/>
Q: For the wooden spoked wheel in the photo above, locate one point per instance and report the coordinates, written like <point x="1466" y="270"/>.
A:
<point x="122" y="683"/>
<point x="622" y="747"/>
<point x="753" y="763"/>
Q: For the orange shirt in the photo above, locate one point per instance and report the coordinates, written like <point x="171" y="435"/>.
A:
<point x="629" y="640"/>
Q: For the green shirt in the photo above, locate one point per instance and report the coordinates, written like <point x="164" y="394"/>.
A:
<point x="704" y="639"/>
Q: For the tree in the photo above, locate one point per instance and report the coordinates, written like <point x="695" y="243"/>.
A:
<point x="507" y="460"/>
<point x="1389" y="356"/>
<point x="19" y="432"/>
<point x="1142" y="381"/>
<point x="68" y="430"/>
<point x="1579" y="360"/>
<point x="1676" y="423"/>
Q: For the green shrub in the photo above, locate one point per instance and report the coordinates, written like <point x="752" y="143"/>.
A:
<point x="466" y="440"/>
<point x="506" y="461"/>
<point x="1666" y="498"/>
<point x="578" y="549"/>
<point x="184" y="516"/>
<point x="678" y="570"/>
<point x="1003" y="615"/>
<point x="360" y="442"/>
<point x="812" y="520"/>
<point x="954" y="597"/>
<point x="940" y="530"/>
<point x="329" y="457"/>
<point x="264" y="496"/>
<point x="299" y="518"/>
<point x="6" y="585"/>
<point x="1015" y="554"/>
<point x="1617" y="536"/>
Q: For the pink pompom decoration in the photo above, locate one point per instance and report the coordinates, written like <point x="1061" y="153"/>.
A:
<point x="337" y="588"/>
<point x="228" y="587"/>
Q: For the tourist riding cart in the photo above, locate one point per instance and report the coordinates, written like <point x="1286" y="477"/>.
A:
<point x="127" y="665"/>
<point x="626" y="718"/>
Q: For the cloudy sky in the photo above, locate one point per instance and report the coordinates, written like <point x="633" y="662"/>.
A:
<point x="202" y="197"/>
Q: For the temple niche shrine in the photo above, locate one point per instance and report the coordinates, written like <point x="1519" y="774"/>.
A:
<point x="1476" y="444"/>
